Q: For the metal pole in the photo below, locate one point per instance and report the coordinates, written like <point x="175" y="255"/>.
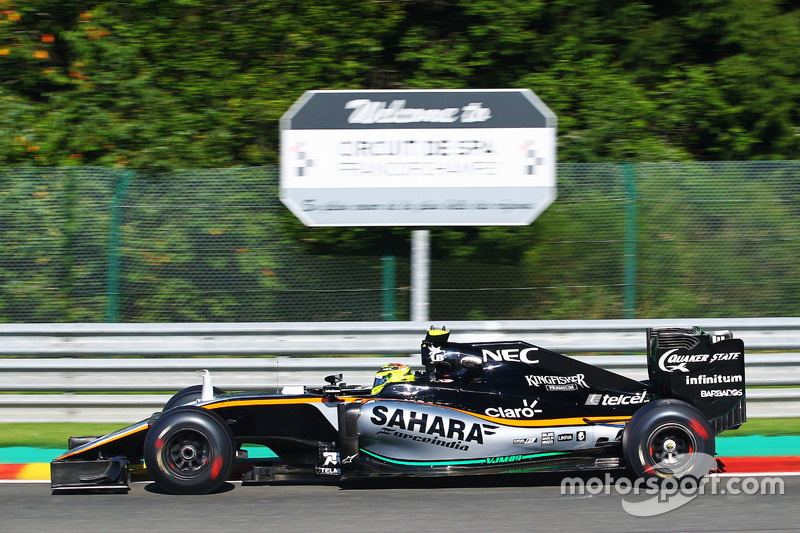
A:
<point x="631" y="234"/>
<point x="70" y="231"/>
<point x="114" y="237"/>
<point x="389" y="271"/>
<point x="420" y="274"/>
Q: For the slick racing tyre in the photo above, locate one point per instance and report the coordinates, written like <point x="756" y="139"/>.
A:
<point x="668" y="439"/>
<point x="189" y="450"/>
<point x="187" y="395"/>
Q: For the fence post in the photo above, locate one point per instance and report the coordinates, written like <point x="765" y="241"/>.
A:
<point x="70" y="230"/>
<point x="389" y="277"/>
<point x="631" y="231"/>
<point x="114" y="238"/>
<point x="420" y="274"/>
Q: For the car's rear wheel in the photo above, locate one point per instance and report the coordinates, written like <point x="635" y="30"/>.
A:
<point x="188" y="395"/>
<point x="189" y="450"/>
<point x="669" y="439"/>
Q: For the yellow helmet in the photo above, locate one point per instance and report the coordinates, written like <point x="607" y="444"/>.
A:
<point x="391" y="373"/>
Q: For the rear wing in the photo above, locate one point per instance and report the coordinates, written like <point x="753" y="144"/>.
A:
<point x="705" y="370"/>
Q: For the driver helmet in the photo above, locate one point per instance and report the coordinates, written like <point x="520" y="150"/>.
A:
<point x="391" y="373"/>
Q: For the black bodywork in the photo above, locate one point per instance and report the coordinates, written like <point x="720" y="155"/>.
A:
<point x="501" y="407"/>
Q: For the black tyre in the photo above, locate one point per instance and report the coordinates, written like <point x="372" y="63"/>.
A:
<point x="187" y="395"/>
<point x="669" y="439"/>
<point x="189" y="450"/>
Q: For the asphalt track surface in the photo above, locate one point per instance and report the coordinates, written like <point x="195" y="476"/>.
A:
<point x="420" y="507"/>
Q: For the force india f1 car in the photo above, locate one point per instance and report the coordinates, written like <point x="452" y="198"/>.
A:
<point x="477" y="408"/>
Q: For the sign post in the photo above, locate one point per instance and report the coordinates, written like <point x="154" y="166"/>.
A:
<point x="418" y="158"/>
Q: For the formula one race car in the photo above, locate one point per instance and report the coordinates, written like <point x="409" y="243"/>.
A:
<point x="477" y="408"/>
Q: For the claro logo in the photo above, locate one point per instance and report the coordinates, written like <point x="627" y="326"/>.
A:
<point x="528" y="410"/>
<point x="510" y="354"/>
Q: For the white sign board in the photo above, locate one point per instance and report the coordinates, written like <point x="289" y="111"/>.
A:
<point x="418" y="158"/>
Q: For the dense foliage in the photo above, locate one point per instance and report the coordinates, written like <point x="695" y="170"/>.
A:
<point x="159" y="86"/>
<point x="192" y="83"/>
<point x="87" y="244"/>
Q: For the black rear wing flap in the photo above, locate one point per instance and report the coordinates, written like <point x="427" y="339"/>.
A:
<point x="705" y="370"/>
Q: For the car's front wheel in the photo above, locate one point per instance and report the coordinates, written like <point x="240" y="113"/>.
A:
<point x="189" y="450"/>
<point x="669" y="439"/>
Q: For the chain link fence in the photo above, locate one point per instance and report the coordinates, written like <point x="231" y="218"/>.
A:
<point x="648" y="240"/>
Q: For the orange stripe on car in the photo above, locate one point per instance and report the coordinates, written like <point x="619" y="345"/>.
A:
<point x="572" y="421"/>
<point x="275" y="401"/>
<point x="136" y="429"/>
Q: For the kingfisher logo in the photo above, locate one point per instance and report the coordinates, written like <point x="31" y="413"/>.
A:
<point x="558" y="383"/>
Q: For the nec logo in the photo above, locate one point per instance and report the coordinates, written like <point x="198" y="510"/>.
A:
<point x="510" y="354"/>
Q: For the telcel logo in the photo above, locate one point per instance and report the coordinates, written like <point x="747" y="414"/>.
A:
<point x="621" y="399"/>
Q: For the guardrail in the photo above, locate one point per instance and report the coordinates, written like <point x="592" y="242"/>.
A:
<point x="57" y="372"/>
<point x="293" y="338"/>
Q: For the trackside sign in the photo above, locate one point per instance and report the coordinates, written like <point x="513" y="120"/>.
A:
<point x="418" y="158"/>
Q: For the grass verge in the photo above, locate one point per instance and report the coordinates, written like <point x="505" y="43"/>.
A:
<point x="768" y="427"/>
<point x="43" y="435"/>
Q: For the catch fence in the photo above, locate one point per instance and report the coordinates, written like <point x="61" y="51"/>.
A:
<point x="644" y="240"/>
